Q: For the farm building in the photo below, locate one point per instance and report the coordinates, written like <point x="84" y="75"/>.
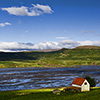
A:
<point x="81" y="83"/>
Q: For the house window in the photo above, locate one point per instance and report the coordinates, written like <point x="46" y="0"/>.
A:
<point x="85" y="83"/>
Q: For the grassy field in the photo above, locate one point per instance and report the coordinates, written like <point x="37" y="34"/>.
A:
<point x="46" y="94"/>
<point x="60" y="58"/>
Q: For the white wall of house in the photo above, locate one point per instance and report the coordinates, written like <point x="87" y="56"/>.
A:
<point x="85" y="86"/>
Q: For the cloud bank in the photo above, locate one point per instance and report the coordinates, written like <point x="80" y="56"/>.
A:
<point x="5" y="24"/>
<point x="35" y="10"/>
<point x="16" y="47"/>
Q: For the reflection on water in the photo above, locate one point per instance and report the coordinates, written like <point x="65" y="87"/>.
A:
<point x="33" y="78"/>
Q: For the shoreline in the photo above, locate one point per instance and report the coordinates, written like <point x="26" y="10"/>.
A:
<point x="44" y="89"/>
<point x="74" y="66"/>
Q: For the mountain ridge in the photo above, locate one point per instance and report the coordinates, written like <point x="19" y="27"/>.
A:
<point x="82" y="55"/>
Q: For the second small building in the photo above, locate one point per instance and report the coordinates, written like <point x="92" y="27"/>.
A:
<point x="81" y="83"/>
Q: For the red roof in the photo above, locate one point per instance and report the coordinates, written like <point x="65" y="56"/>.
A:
<point x="78" y="81"/>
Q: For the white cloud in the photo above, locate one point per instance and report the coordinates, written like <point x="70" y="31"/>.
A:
<point x="95" y="43"/>
<point x="36" y="10"/>
<point x="62" y="37"/>
<point x="46" y="45"/>
<point x="68" y="44"/>
<point x="86" y="42"/>
<point x="44" y="8"/>
<point x="16" y="47"/>
<point x="4" y="24"/>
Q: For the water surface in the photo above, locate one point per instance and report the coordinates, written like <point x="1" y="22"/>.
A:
<point x="35" y="78"/>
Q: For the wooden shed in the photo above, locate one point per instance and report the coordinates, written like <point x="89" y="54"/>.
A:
<point x="81" y="83"/>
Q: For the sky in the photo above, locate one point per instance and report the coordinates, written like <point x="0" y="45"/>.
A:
<point x="48" y="24"/>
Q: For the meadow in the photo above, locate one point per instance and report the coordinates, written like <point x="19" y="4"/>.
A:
<point x="60" y="58"/>
<point x="46" y="94"/>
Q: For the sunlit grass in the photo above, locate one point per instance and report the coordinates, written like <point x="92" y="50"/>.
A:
<point x="63" y="58"/>
<point x="47" y="94"/>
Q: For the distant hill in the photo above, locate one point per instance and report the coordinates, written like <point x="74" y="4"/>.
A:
<point x="47" y="50"/>
<point x="82" y="55"/>
<point x="88" y="47"/>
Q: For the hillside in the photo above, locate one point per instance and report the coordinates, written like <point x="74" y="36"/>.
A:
<point x="88" y="47"/>
<point x="84" y="55"/>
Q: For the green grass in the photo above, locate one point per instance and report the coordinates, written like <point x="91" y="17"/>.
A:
<point x="61" y="58"/>
<point x="46" y="94"/>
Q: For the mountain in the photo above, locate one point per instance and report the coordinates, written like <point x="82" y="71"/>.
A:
<point x="82" y="55"/>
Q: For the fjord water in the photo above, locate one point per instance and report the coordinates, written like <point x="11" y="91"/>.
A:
<point x="35" y="78"/>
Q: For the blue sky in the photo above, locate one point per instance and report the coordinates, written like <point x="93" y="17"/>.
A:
<point x="53" y="20"/>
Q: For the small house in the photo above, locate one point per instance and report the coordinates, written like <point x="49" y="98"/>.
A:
<point x="81" y="83"/>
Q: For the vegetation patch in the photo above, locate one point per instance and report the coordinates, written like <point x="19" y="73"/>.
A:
<point x="47" y="94"/>
<point x="85" y="55"/>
